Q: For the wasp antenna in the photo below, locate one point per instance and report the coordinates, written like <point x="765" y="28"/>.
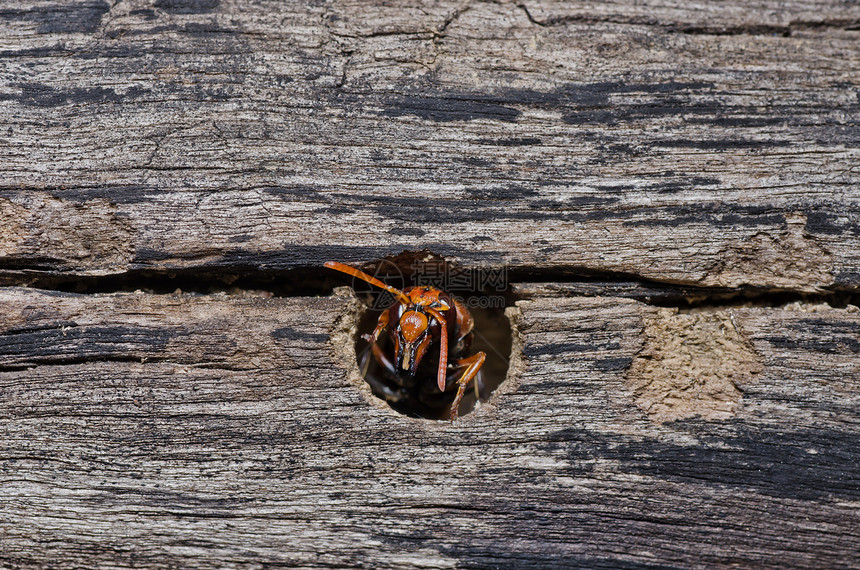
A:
<point x="343" y="268"/>
<point x="441" y="376"/>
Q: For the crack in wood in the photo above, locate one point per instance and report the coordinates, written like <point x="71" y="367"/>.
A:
<point x="524" y="284"/>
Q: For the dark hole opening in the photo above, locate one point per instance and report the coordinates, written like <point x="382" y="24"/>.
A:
<point x="484" y="293"/>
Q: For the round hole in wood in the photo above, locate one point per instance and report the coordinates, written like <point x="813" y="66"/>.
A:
<point x="482" y="292"/>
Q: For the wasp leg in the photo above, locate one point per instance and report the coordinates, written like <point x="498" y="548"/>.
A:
<point x="385" y="391"/>
<point x="381" y="325"/>
<point x="378" y="385"/>
<point x="383" y="360"/>
<point x="473" y="365"/>
<point x="478" y="384"/>
<point x="387" y="365"/>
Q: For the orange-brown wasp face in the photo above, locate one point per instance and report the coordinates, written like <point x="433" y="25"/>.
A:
<point x="412" y="339"/>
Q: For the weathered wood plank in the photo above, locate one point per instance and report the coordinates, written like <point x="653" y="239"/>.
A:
<point x="165" y="431"/>
<point x="708" y="147"/>
<point x="711" y="147"/>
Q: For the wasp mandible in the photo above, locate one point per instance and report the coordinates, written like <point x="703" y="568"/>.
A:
<point x="422" y="322"/>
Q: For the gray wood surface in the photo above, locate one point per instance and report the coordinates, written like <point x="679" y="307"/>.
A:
<point x="192" y="431"/>
<point x="671" y="187"/>
<point x="713" y="145"/>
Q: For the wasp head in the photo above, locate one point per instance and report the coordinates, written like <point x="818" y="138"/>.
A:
<point x="412" y="339"/>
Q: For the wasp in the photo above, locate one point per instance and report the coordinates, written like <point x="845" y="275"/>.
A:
<point x="423" y="322"/>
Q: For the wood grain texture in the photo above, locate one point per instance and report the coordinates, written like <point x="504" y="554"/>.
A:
<point x="672" y="151"/>
<point x="168" y="431"/>
<point x="704" y="145"/>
